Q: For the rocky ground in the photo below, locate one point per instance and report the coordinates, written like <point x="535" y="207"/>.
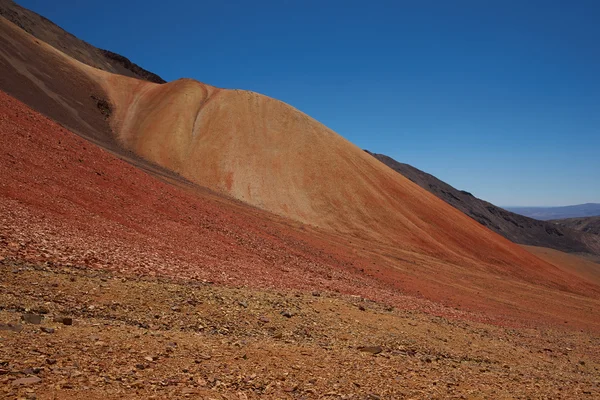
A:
<point x="69" y="332"/>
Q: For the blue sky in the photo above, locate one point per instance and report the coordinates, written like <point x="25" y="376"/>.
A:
<point x="500" y="97"/>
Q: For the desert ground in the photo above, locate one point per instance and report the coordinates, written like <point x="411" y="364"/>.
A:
<point x="178" y="240"/>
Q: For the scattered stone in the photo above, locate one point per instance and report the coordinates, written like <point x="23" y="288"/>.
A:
<point x="176" y="309"/>
<point x="149" y="359"/>
<point x="11" y="327"/>
<point x="264" y="319"/>
<point x="287" y="314"/>
<point x="50" y="361"/>
<point x="371" y="349"/>
<point x="140" y="366"/>
<point x="35" y="319"/>
<point x="243" y="304"/>
<point x="361" y="307"/>
<point x="316" y="294"/>
<point x="64" y="320"/>
<point x="30" y="380"/>
<point x="47" y="330"/>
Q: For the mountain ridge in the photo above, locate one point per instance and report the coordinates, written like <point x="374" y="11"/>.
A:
<point x="47" y="31"/>
<point x="515" y="227"/>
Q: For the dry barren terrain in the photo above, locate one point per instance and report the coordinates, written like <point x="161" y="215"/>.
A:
<point x="129" y="337"/>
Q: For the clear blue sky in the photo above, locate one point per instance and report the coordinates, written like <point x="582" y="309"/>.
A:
<point x="500" y="97"/>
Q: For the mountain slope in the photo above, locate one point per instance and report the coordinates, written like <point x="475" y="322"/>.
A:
<point x="548" y="213"/>
<point x="66" y="202"/>
<point x="270" y="155"/>
<point x="273" y="157"/>
<point x="515" y="227"/>
<point x="47" y="31"/>
<point x="263" y="152"/>
<point x="587" y="224"/>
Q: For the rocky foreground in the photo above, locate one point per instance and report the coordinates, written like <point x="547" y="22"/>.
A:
<point x="68" y="332"/>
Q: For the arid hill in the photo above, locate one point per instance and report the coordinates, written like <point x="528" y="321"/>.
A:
<point x="263" y="155"/>
<point x="184" y="241"/>
<point x="255" y="149"/>
<point x="515" y="227"/>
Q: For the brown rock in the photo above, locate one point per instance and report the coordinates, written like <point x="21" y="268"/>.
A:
<point x="35" y="319"/>
<point x="371" y="349"/>
<point x="30" y="380"/>
<point x="64" y="320"/>
<point x="11" y="327"/>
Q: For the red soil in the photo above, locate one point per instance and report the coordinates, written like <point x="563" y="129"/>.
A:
<point x="65" y="200"/>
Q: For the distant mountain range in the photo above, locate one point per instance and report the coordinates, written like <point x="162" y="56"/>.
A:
<point x="548" y="213"/>
<point x="515" y="227"/>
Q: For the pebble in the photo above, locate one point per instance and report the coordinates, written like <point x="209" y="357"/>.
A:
<point x="47" y="330"/>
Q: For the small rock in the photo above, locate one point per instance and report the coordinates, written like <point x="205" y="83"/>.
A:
<point x="287" y="314"/>
<point x="64" y="320"/>
<point x="361" y="307"/>
<point x="149" y="359"/>
<point x="11" y="327"/>
<point x="243" y="304"/>
<point x="290" y="389"/>
<point x="140" y="366"/>
<point x="316" y="294"/>
<point x="30" y="380"/>
<point x="264" y="319"/>
<point x="35" y="319"/>
<point x="47" y="330"/>
<point x="50" y="361"/>
<point x="371" y="349"/>
<point x="176" y="309"/>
